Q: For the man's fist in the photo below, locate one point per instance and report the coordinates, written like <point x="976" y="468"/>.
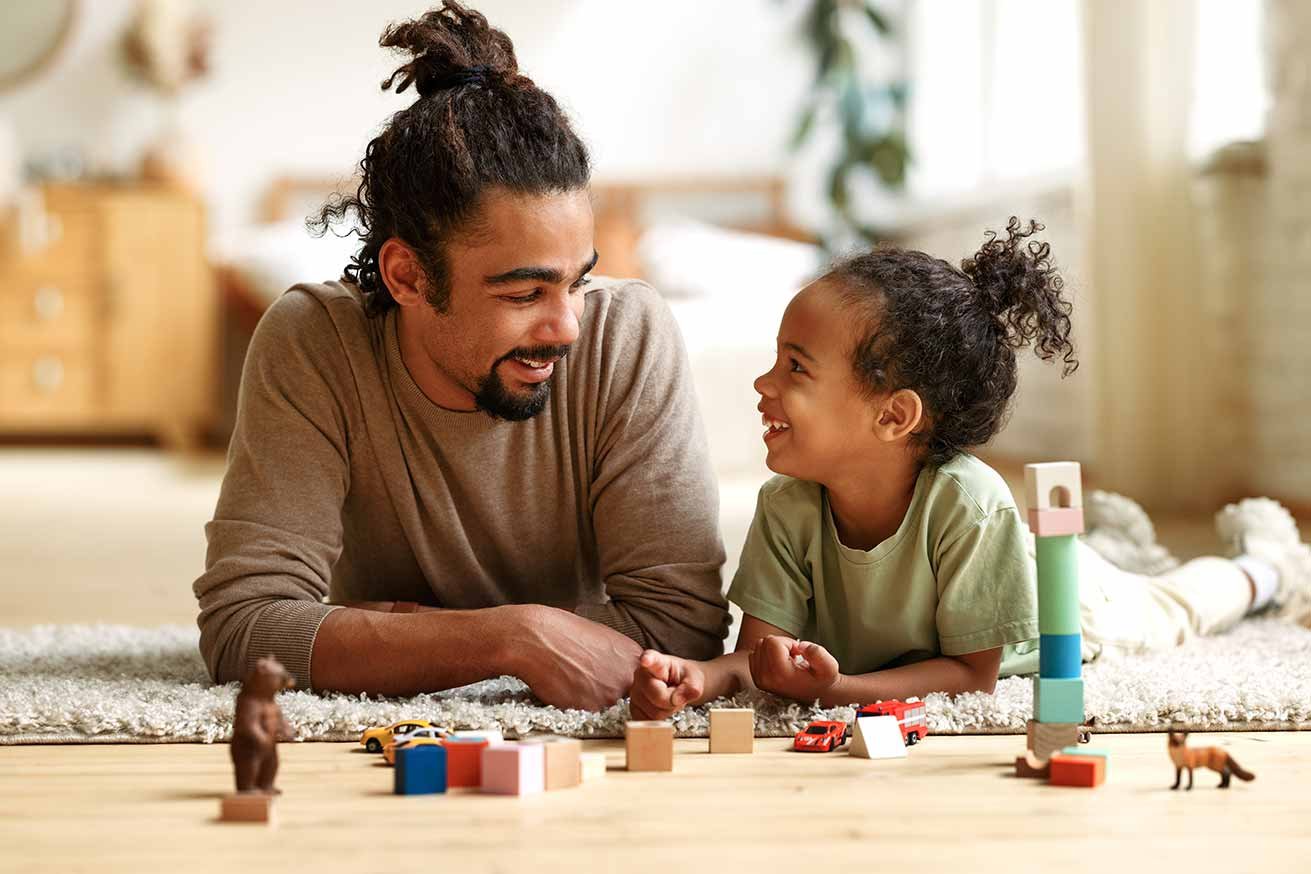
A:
<point x="793" y="668"/>
<point x="663" y="685"/>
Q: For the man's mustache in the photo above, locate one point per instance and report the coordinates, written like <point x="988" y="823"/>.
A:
<point x="536" y="353"/>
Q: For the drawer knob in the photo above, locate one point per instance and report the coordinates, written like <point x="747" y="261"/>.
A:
<point x="48" y="303"/>
<point x="48" y="374"/>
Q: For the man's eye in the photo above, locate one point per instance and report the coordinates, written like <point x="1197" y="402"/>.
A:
<point x="582" y="281"/>
<point x="524" y="298"/>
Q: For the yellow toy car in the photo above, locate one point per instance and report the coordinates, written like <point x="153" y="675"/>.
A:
<point x="375" y="739"/>
<point x="417" y="738"/>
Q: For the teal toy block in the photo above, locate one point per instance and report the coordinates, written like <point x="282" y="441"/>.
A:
<point x="1084" y="751"/>
<point x="1058" y="585"/>
<point x="420" y="770"/>
<point x="1058" y="700"/>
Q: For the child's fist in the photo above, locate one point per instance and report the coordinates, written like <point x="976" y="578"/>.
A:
<point x="663" y="685"/>
<point x="793" y="668"/>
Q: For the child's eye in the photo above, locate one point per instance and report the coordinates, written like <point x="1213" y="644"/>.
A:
<point x="795" y="366"/>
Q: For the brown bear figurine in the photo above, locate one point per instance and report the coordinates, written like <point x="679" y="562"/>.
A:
<point x="257" y="726"/>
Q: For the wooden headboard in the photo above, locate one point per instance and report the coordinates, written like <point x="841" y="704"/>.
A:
<point x="623" y="210"/>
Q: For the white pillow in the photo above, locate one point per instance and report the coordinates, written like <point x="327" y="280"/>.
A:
<point x="271" y="258"/>
<point x="685" y="258"/>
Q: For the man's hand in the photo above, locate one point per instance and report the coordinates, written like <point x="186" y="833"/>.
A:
<point x="663" y="685"/>
<point x="793" y="668"/>
<point x="572" y="662"/>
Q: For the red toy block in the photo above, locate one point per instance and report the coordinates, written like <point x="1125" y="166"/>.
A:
<point x="464" y="761"/>
<point x="1056" y="522"/>
<point x="1085" y="771"/>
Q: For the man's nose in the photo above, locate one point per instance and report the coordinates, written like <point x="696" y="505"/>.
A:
<point x="559" y="323"/>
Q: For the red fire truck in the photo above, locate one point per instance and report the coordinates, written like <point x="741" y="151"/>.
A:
<point x="910" y="717"/>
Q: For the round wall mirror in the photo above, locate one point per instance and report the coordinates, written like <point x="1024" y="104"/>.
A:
<point x="32" y="32"/>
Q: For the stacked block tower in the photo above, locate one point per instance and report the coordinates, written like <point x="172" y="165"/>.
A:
<point x="1054" y="496"/>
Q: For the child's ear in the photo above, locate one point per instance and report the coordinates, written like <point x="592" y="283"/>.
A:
<point x="901" y="414"/>
<point x="401" y="272"/>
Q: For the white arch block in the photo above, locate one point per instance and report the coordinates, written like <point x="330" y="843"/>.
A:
<point x="1053" y="485"/>
<point x="877" y="737"/>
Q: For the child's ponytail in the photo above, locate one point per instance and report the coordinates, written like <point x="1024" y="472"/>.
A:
<point x="1017" y="283"/>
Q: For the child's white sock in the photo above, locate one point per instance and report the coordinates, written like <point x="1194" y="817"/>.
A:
<point x="1264" y="576"/>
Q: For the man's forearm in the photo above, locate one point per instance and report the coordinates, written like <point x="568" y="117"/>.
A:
<point x="383" y="653"/>
<point x="940" y="674"/>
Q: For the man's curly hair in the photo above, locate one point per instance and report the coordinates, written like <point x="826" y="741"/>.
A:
<point x="951" y="334"/>
<point x="477" y="124"/>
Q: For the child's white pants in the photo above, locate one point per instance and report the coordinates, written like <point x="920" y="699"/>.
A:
<point x="1135" y="613"/>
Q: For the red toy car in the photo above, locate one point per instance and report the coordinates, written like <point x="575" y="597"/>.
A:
<point x="821" y="737"/>
<point x="910" y="718"/>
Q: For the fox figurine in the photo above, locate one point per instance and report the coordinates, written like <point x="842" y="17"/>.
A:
<point x="1203" y="757"/>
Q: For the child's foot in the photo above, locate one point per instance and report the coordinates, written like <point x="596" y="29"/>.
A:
<point x="1264" y="530"/>
<point x="1120" y="530"/>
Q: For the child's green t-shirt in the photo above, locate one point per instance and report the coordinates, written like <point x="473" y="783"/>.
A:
<point x="957" y="577"/>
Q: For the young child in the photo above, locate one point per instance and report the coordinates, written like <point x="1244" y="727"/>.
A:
<point x="886" y="561"/>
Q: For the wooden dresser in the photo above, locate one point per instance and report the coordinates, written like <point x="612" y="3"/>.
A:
<point x="108" y="317"/>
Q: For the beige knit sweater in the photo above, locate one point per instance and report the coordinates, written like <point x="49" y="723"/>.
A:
<point x="346" y="483"/>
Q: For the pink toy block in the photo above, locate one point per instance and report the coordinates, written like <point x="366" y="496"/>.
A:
<point x="514" y="769"/>
<point x="1056" y="522"/>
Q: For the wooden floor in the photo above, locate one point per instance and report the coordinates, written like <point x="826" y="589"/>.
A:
<point x="951" y="806"/>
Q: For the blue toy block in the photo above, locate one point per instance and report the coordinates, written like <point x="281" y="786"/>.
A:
<point x="1060" y="656"/>
<point x="1058" y="700"/>
<point x="420" y="770"/>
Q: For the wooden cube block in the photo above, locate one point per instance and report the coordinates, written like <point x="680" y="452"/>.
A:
<point x="1056" y="522"/>
<point x="1085" y="771"/>
<point x="563" y="766"/>
<point x="1031" y="767"/>
<point x="1048" y="738"/>
<point x="464" y="758"/>
<point x="732" y="730"/>
<point x="1053" y="485"/>
<point x="514" y="769"/>
<point x="247" y="807"/>
<point x="593" y="766"/>
<point x="649" y="746"/>
<point x="420" y="770"/>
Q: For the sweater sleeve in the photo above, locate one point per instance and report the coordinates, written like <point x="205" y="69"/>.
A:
<point x="277" y="529"/>
<point x="654" y="498"/>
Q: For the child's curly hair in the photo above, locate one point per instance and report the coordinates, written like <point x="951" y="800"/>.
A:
<point x="951" y="334"/>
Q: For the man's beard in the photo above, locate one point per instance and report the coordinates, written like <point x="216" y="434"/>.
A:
<point x="495" y="399"/>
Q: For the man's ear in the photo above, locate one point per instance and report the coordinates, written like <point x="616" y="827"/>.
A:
<point x="402" y="273"/>
<point x="901" y="413"/>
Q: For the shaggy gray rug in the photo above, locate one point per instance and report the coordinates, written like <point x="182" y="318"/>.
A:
<point x="118" y="684"/>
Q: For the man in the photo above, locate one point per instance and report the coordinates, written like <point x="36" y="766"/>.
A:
<point x="489" y="462"/>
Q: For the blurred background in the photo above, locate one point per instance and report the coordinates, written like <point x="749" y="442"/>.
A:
<point x="158" y="159"/>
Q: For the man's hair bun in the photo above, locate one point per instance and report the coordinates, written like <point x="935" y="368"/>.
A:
<point x="449" y="47"/>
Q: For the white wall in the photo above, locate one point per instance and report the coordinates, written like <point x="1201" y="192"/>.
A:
<point x="681" y="87"/>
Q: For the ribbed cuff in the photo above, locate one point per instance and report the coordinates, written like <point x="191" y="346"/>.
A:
<point x="613" y="616"/>
<point x="286" y="631"/>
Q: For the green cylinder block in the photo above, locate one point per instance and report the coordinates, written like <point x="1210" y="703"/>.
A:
<point x="1058" y="585"/>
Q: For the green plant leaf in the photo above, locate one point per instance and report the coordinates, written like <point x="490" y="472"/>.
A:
<point x="804" y="126"/>
<point x="876" y="18"/>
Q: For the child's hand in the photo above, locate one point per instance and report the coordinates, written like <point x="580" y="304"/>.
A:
<point x="793" y="668"/>
<point x="663" y="685"/>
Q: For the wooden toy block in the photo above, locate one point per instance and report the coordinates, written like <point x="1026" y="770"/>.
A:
<point x="420" y="770"/>
<point x="1085" y="771"/>
<point x="1056" y="522"/>
<point x="514" y="769"/>
<point x="877" y="737"/>
<point x="1030" y="767"/>
<point x="593" y="766"/>
<point x="1045" y="739"/>
<point x="563" y="763"/>
<point x="1060" y="656"/>
<point x="464" y="758"/>
<point x="649" y="746"/>
<point x="248" y="807"/>
<point x="732" y="730"/>
<point x="1057" y="700"/>
<point x="1058" y="585"/>
<point x="1053" y="485"/>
